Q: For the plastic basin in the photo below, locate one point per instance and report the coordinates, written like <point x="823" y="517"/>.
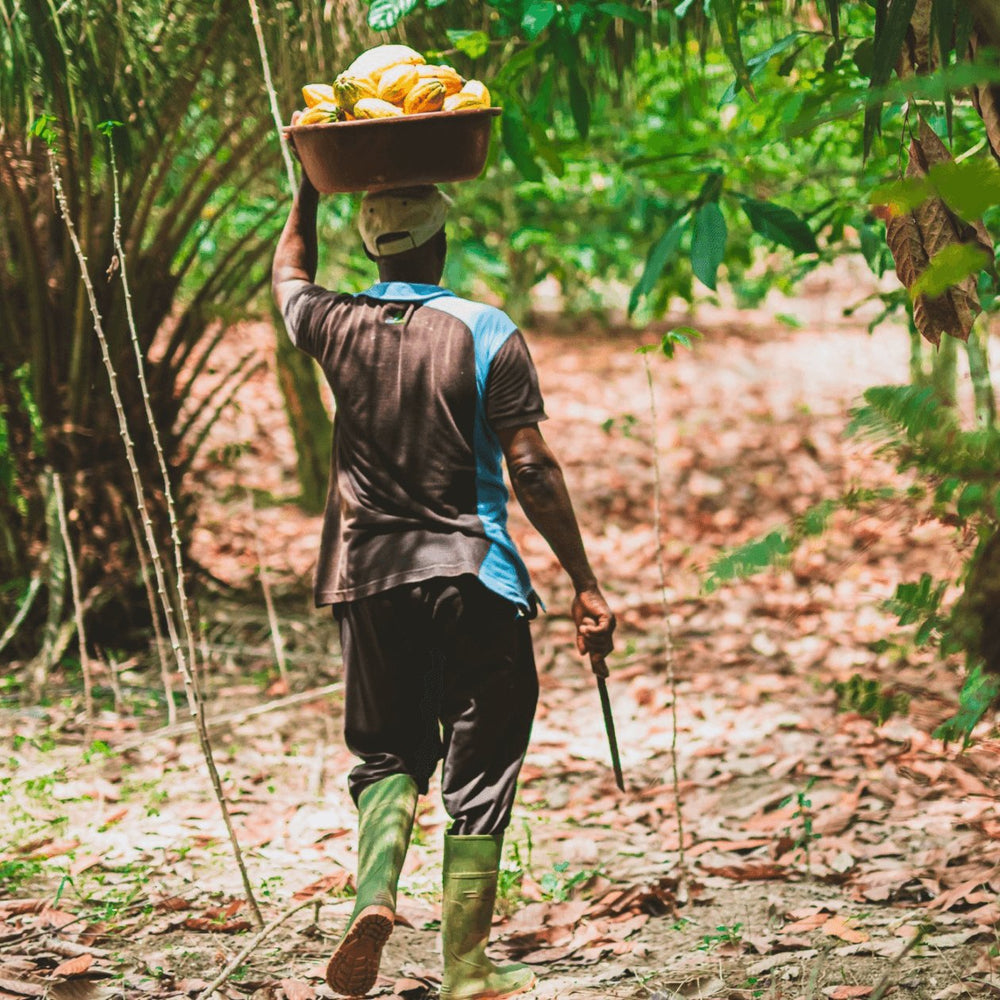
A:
<point x="378" y="153"/>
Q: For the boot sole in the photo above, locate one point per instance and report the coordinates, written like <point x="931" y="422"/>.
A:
<point x="494" y="995"/>
<point x="353" y="967"/>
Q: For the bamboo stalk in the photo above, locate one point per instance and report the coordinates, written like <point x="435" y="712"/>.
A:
<point x="272" y="95"/>
<point x="668" y="632"/>
<point x="194" y="701"/>
<point x="22" y="612"/>
<point x="147" y="579"/>
<point x="74" y="587"/>
<point x="168" y="493"/>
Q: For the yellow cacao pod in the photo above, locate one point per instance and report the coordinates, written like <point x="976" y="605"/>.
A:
<point x="376" y="61"/>
<point x="372" y="107"/>
<point x="477" y="89"/>
<point x="462" y="102"/>
<point x="320" y="114"/>
<point x="317" y="93"/>
<point x="351" y="89"/>
<point x="453" y="83"/>
<point x="427" y="95"/>
<point x="396" y="82"/>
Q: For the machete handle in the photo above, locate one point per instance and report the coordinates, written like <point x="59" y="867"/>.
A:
<point x="598" y="665"/>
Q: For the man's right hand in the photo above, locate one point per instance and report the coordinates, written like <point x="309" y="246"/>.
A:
<point x="595" y="624"/>
<point x="290" y="139"/>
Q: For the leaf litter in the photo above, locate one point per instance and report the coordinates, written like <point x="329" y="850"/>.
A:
<point x="823" y="851"/>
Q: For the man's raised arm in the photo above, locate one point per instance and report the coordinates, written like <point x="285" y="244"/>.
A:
<point x="297" y="254"/>
<point x="541" y="490"/>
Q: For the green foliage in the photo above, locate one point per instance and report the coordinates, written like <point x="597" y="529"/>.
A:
<point x="868" y="698"/>
<point x="948" y="267"/>
<point x="801" y="833"/>
<point x="681" y="336"/>
<point x="919" y="604"/>
<point x="747" y="560"/>
<point x="15" y="873"/>
<point x="780" y="225"/>
<point x="724" y="934"/>
<point x="558" y="885"/>
<point x="979" y="694"/>
<point x="765" y="553"/>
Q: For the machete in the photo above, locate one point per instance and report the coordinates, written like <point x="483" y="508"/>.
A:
<point x="600" y="669"/>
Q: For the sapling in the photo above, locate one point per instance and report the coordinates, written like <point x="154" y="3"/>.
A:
<point x="190" y="688"/>
<point x="667" y="346"/>
<point x="108" y="128"/>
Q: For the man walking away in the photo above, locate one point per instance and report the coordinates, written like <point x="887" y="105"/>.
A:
<point x="432" y="393"/>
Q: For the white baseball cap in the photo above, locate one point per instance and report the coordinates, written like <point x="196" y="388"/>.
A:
<point x="401" y="219"/>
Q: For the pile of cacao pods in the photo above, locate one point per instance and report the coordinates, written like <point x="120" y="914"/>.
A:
<point x="386" y="82"/>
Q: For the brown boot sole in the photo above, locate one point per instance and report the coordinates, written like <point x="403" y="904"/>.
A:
<point x="353" y="967"/>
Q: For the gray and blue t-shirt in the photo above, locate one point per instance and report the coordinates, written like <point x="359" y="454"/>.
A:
<point x="422" y="381"/>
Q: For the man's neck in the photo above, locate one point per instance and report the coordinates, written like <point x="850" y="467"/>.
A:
<point x="408" y="277"/>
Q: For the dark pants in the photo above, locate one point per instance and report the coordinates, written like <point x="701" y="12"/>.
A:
<point x="440" y="670"/>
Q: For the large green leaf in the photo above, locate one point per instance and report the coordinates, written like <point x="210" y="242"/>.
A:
<point x="537" y="17"/>
<point x="780" y="225"/>
<point x="708" y="243"/>
<point x="579" y="103"/>
<point x="727" y="20"/>
<point x="473" y="43"/>
<point x="660" y="255"/>
<point x="624" y="12"/>
<point x="385" y="14"/>
<point x="517" y="142"/>
<point x="892" y="20"/>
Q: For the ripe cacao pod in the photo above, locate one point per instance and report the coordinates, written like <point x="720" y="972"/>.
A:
<point x="320" y="114"/>
<point x="477" y="89"/>
<point x="453" y="83"/>
<point x="373" y="63"/>
<point x="427" y="95"/>
<point x="372" y="107"/>
<point x="317" y="93"/>
<point x="351" y="89"/>
<point x="462" y="102"/>
<point x="396" y="82"/>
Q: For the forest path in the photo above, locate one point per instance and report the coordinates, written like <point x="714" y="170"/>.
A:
<point x="824" y="852"/>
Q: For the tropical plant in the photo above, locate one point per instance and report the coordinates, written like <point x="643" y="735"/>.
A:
<point x="160" y="90"/>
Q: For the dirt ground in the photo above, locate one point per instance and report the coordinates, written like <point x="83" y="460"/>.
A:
<point x="826" y="854"/>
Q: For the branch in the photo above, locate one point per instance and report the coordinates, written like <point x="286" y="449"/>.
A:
<point x="263" y="933"/>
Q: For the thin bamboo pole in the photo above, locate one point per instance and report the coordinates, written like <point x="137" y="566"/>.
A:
<point x="147" y="579"/>
<point x="272" y="94"/>
<point x="190" y="688"/>
<point x="168" y="493"/>
<point x="74" y="587"/>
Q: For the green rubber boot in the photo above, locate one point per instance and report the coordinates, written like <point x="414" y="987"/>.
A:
<point x="385" y="820"/>
<point x="471" y="868"/>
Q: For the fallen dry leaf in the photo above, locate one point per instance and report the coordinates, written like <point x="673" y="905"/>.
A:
<point x="73" y="966"/>
<point x="837" y="926"/>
